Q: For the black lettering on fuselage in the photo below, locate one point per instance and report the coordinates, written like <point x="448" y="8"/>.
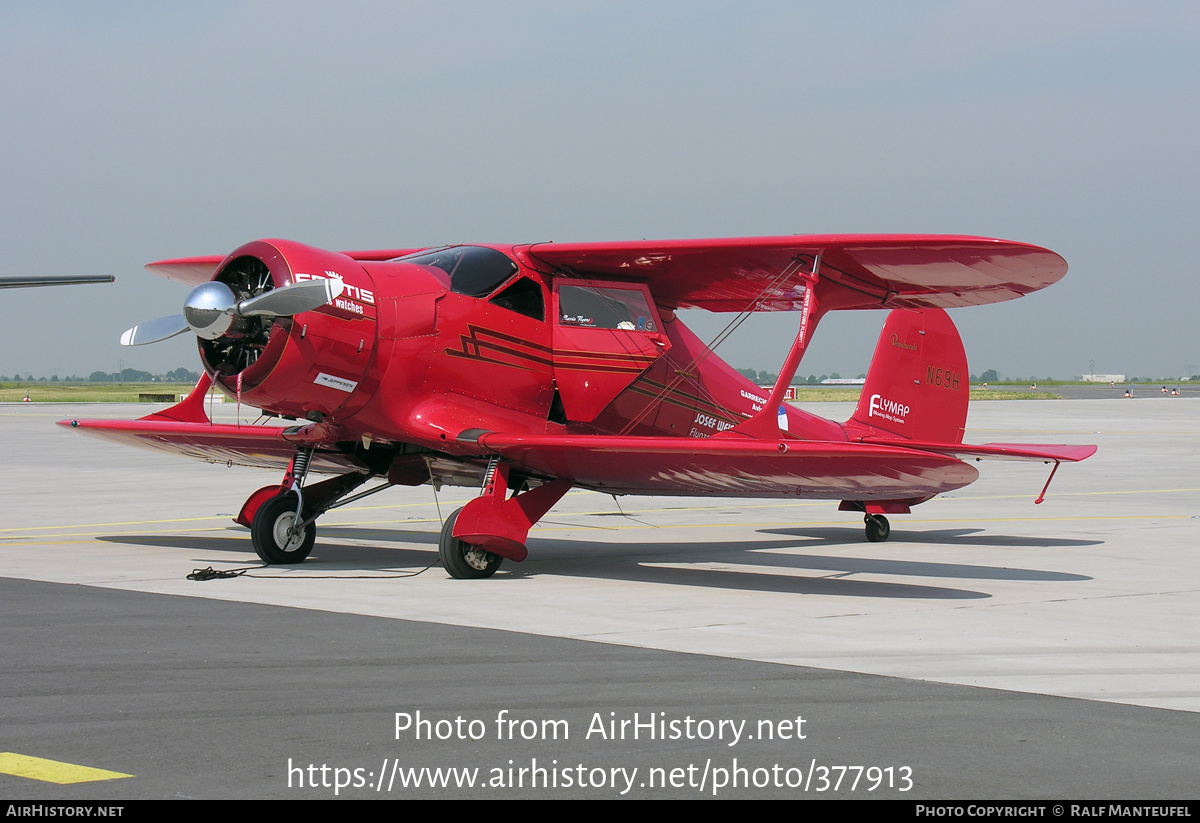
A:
<point x="942" y="377"/>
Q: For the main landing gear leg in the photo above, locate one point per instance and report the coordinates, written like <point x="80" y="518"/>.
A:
<point x="282" y="519"/>
<point x="477" y="537"/>
<point x="276" y="527"/>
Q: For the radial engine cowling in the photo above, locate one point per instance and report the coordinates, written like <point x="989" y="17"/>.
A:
<point x="315" y="362"/>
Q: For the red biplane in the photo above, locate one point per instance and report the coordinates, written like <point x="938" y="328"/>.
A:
<point x="529" y="370"/>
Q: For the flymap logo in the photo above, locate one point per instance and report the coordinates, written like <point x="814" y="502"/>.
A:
<point x="887" y="409"/>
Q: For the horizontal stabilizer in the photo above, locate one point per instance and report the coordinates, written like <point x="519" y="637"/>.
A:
<point x="997" y="451"/>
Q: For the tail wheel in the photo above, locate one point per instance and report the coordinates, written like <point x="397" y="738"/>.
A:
<point x="462" y="560"/>
<point x="273" y="534"/>
<point x="878" y="528"/>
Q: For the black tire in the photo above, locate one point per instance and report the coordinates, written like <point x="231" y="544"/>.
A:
<point x="878" y="528"/>
<point x="462" y="560"/>
<point x="268" y="532"/>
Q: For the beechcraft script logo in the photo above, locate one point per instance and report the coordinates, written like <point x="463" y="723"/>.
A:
<point x="887" y="409"/>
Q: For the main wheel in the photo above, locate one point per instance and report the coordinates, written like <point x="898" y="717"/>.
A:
<point x="878" y="528"/>
<point x="269" y="532"/>
<point x="462" y="560"/>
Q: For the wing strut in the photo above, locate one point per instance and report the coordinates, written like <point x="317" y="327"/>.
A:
<point x="765" y="424"/>
<point x="1042" y="496"/>
<point x="784" y="275"/>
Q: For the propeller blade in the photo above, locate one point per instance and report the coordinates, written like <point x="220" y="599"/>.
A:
<point x="292" y="299"/>
<point x="53" y="280"/>
<point x="155" y="330"/>
<point x="210" y="309"/>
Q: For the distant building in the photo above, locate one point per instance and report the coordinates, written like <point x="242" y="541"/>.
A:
<point x="844" y="381"/>
<point x="1103" y="378"/>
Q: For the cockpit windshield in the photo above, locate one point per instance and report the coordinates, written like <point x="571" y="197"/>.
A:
<point x="473" y="270"/>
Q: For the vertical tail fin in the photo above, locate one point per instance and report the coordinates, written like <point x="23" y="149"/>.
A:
<point x="918" y="384"/>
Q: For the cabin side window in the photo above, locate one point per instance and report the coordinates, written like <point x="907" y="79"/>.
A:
<point x="604" y="307"/>
<point x="524" y="297"/>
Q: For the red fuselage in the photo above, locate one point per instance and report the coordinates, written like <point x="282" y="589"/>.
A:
<point x="421" y="349"/>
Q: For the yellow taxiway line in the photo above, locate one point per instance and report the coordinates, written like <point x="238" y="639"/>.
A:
<point x="53" y="771"/>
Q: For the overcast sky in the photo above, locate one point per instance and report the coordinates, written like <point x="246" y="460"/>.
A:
<point x="135" y="131"/>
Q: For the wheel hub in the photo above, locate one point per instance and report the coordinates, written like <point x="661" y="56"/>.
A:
<point x="286" y="538"/>
<point x="477" y="559"/>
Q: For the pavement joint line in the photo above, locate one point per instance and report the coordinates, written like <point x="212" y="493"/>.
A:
<point x="120" y="523"/>
<point x="1124" y="594"/>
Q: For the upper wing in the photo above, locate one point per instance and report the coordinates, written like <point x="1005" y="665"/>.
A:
<point x="733" y="467"/>
<point x="872" y="271"/>
<point x="763" y="273"/>
<point x="190" y="270"/>
<point x="196" y="270"/>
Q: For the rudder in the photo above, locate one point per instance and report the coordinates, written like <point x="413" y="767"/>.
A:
<point x="918" y="385"/>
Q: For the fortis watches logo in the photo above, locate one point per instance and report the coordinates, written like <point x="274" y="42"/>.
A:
<point x="887" y="409"/>
<point x="349" y="289"/>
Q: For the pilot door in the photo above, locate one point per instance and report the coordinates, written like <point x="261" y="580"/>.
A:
<point x="605" y="335"/>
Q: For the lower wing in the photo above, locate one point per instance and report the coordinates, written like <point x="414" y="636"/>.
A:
<point x="730" y="467"/>
<point x="266" y="447"/>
